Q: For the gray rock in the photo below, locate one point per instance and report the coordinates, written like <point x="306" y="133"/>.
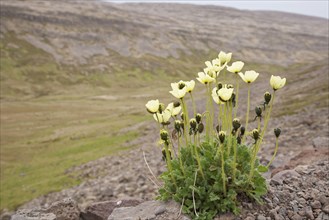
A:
<point x="320" y="142"/>
<point x="296" y="217"/>
<point x="67" y="209"/>
<point x="316" y="204"/>
<point x="261" y="217"/>
<point x="143" y="211"/>
<point x="326" y="209"/>
<point x="278" y="178"/>
<point x="308" y="212"/>
<point x="102" y="210"/>
<point x="29" y="214"/>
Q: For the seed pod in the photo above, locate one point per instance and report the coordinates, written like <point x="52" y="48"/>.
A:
<point x="176" y="104"/>
<point x="267" y="97"/>
<point x="177" y="125"/>
<point x="221" y="136"/>
<point x="255" y="134"/>
<point x="236" y="124"/>
<point x="182" y="125"/>
<point x="258" y="111"/>
<point x="200" y="128"/>
<point x="193" y="123"/>
<point x="242" y="130"/>
<point x="277" y="132"/>
<point x="164" y="135"/>
<point x="198" y="118"/>
<point x="238" y="139"/>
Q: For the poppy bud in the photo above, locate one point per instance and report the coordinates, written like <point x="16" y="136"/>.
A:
<point x="182" y="116"/>
<point x="193" y="123"/>
<point x="277" y="132"/>
<point x="236" y="124"/>
<point x="182" y="124"/>
<point x="177" y="125"/>
<point x="217" y="128"/>
<point x="255" y="134"/>
<point x="176" y="104"/>
<point x="242" y="130"/>
<point x="258" y="111"/>
<point x="238" y="139"/>
<point x="219" y="85"/>
<point x="267" y="97"/>
<point x="161" y="107"/>
<point x="221" y="136"/>
<point x="164" y="135"/>
<point x="198" y="118"/>
<point x="229" y="86"/>
<point x="200" y="128"/>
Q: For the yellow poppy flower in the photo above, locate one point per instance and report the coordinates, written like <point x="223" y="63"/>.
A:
<point x="235" y="67"/>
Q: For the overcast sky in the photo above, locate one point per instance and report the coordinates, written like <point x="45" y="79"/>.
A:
<point x="317" y="8"/>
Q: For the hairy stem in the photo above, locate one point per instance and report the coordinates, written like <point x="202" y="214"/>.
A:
<point x="275" y="151"/>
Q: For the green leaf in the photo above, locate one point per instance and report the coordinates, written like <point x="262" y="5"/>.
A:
<point x="213" y="197"/>
<point x="262" y="169"/>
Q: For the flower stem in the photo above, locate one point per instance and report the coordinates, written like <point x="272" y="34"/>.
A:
<point x="223" y="170"/>
<point x="275" y="151"/>
<point x="198" y="160"/>
<point x="237" y="95"/>
<point x="168" y="160"/>
<point x="247" y="116"/>
<point x="186" y="122"/>
<point x="193" y="103"/>
<point x="234" y="159"/>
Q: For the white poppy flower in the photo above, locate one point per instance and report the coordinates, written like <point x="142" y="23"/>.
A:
<point x="225" y="93"/>
<point x="162" y="117"/>
<point x="152" y="106"/>
<point x="204" y="78"/>
<point x="224" y="58"/>
<point x="249" y="76"/>
<point x="178" y="89"/>
<point x="235" y="67"/>
<point x="276" y="82"/>
<point x="173" y="110"/>
<point x="189" y="85"/>
<point x="215" y="96"/>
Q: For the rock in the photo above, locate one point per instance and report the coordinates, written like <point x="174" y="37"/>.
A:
<point x="67" y="209"/>
<point x="296" y="217"/>
<point x="324" y="200"/>
<point x="160" y="210"/>
<point x="316" y="204"/>
<point x="102" y="210"/>
<point x="326" y="209"/>
<point x="319" y="142"/>
<point x="143" y="211"/>
<point x="28" y="214"/>
<point x="261" y="217"/>
<point x="308" y="212"/>
<point x="278" y="178"/>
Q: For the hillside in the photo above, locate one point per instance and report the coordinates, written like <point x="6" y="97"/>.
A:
<point x="75" y="76"/>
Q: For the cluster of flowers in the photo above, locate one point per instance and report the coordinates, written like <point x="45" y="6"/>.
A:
<point x="226" y="131"/>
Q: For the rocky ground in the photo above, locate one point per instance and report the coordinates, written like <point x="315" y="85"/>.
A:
<point x="298" y="189"/>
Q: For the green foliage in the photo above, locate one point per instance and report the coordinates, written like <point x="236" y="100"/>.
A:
<point x="209" y="195"/>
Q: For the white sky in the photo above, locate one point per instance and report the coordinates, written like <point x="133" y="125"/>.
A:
<point x="318" y="8"/>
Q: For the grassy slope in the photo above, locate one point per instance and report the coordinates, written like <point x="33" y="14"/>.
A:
<point x="51" y="120"/>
